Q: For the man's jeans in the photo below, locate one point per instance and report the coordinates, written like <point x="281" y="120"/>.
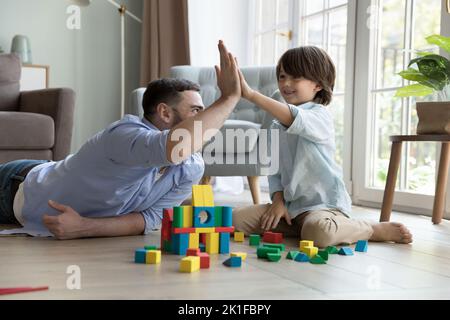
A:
<point x="8" y="173"/>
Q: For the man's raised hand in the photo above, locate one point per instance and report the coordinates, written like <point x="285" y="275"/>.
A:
<point x="227" y="74"/>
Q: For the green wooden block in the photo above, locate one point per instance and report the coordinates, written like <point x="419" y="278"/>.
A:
<point x="332" y="250"/>
<point x="262" y="252"/>
<point x="291" y="255"/>
<point x="274" y="257"/>
<point x="151" y="248"/>
<point x="218" y="216"/>
<point x="323" y="254"/>
<point x="317" y="260"/>
<point x="254" y="239"/>
<point x="275" y="245"/>
<point x="167" y="246"/>
<point x="177" y="217"/>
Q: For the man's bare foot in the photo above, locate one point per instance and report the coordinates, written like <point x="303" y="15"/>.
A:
<point x="391" y="231"/>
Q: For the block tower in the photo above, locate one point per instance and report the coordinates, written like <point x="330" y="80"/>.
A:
<point x="200" y="226"/>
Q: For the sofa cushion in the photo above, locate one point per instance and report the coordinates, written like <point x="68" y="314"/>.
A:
<point x="10" y="70"/>
<point x="244" y="133"/>
<point x="22" y="130"/>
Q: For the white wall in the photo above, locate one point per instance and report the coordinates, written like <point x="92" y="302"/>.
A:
<point x="86" y="60"/>
<point x="211" y="20"/>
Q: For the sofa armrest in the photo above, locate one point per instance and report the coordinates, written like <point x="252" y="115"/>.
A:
<point x="58" y="104"/>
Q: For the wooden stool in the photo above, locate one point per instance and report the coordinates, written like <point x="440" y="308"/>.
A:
<point x="394" y="163"/>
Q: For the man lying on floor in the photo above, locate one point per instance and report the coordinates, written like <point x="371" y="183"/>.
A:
<point x="123" y="177"/>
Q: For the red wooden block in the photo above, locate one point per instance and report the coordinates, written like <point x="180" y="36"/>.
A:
<point x="204" y="260"/>
<point x="183" y="230"/>
<point x="166" y="227"/>
<point x="203" y="238"/>
<point x="193" y="252"/>
<point x="225" y="229"/>
<point x="272" y="237"/>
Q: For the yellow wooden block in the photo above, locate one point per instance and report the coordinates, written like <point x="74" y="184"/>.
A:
<point x="212" y="243"/>
<point x="311" y="251"/>
<point x="197" y="196"/>
<point x="306" y="243"/>
<point x="187" y="216"/>
<point x="190" y="264"/>
<point x="243" y="255"/>
<point x="194" y="240"/>
<point x="205" y="230"/>
<point x="153" y="257"/>
<point x="239" y="236"/>
<point x="208" y="196"/>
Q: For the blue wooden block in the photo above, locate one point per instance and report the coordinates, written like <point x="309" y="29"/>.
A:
<point x="180" y="243"/>
<point x="202" y="247"/>
<point x="301" y="257"/>
<point x="139" y="255"/>
<point x="227" y="220"/>
<point x="361" y="246"/>
<point x="345" y="251"/>
<point x="209" y="221"/>
<point x="224" y="242"/>
<point x="233" y="262"/>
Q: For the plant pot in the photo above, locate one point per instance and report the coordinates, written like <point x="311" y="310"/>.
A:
<point x="434" y="117"/>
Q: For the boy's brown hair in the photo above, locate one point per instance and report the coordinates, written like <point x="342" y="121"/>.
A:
<point x="311" y="63"/>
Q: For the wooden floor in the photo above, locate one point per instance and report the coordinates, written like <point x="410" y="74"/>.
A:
<point x="386" y="271"/>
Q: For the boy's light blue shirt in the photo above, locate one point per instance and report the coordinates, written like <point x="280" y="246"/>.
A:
<point x="114" y="173"/>
<point x="308" y="175"/>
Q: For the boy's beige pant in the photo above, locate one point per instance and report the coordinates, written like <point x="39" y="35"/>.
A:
<point x="324" y="227"/>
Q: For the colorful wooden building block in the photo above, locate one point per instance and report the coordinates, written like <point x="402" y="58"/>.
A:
<point x="317" y="260"/>
<point x="202" y="247"/>
<point x="361" y="246"/>
<point x="224" y="229"/>
<point x="194" y="240"/>
<point x="227" y="217"/>
<point x="323" y="254"/>
<point x="291" y="255"/>
<point x="140" y="255"/>
<point x="272" y="237"/>
<point x="311" y="251"/>
<point x="187" y="216"/>
<point x="212" y="243"/>
<point x="166" y="228"/>
<point x="280" y="246"/>
<point x="239" y="236"/>
<point x="192" y="252"/>
<point x="254" y="239"/>
<point x="150" y="247"/>
<point x="177" y="217"/>
<point x="224" y="243"/>
<point x="301" y="257"/>
<point x="205" y="230"/>
<point x="153" y="257"/>
<point x="204" y="260"/>
<point x="202" y="195"/>
<point x="180" y="243"/>
<point x="233" y="262"/>
<point x="274" y="257"/>
<point x="190" y="264"/>
<point x="345" y="251"/>
<point x="332" y="250"/>
<point x="183" y="230"/>
<point x="209" y="222"/>
<point x="243" y="255"/>
<point x="305" y="243"/>
<point x="218" y="216"/>
<point x="262" y="252"/>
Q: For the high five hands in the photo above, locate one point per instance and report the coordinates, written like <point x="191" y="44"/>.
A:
<point x="228" y="74"/>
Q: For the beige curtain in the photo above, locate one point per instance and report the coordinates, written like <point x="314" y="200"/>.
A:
<point x="165" y="38"/>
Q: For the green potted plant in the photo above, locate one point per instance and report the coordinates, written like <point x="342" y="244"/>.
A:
<point x="431" y="72"/>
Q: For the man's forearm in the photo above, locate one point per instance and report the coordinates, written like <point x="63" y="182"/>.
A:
<point x="127" y="225"/>
<point x="211" y="121"/>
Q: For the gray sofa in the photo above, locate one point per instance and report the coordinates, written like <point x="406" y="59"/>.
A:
<point x="245" y="116"/>
<point x="33" y="124"/>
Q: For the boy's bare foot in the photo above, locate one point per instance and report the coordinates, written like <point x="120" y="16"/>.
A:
<point x="391" y="231"/>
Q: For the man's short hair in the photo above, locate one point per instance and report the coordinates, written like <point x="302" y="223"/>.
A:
<point x="165" y="91"/>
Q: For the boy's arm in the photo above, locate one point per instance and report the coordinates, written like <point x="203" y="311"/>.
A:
<point x="278" y="110"/>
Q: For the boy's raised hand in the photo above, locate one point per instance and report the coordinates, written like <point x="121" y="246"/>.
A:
<point x="227" y="74"/>
<point x="247" y="92"/>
